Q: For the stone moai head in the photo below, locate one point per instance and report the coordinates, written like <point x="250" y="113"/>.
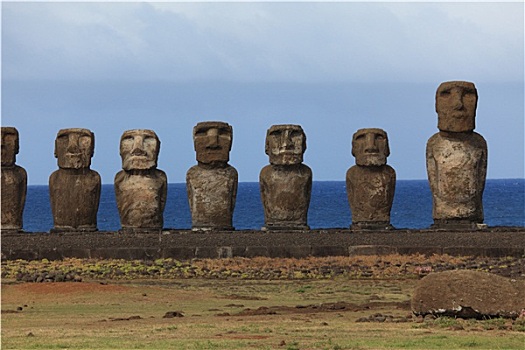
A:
<point x="285" y="144"/>
<point x="370" y="147"/>
<point x="139" y="149"/>
<point x="456" y="103"/>
<point x="74" y="148"/>
<point x="10" y="145"/>
<point x="213" y="142"/>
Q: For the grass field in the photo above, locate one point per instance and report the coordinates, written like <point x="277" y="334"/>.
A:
<point x="234" y="313"/>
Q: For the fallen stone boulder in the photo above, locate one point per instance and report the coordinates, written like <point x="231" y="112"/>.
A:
<point x="468" y="294"/>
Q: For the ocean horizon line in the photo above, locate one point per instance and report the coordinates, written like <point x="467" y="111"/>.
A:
<point x="316" y="181"/>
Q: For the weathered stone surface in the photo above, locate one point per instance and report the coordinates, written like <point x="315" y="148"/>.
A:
<point x="371" y="183"/>
<point x="468" y="294"/>
<point x="140" y="188"/>
<point x="14" y="182"/>
<point x="285" y="184"/>
<point x="212" y="183"/>
<point x="74" y="189"/>
<point x="178" y="244"/>
<point x="457" y="159"/>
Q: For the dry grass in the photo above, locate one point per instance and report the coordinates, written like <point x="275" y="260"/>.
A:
<point x="90" y="315"/>
<point x="389" y="266"/>
<point x="214" y="296"/>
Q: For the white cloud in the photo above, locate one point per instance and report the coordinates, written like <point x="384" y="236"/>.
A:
<point x="263" y="41"/>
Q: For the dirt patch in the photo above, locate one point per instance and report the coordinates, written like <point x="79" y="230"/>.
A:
<point x="131" y="318"/>
<point x="318" y="308"/>
<point x="10" y="311"/>
<point x="243" y="297"/>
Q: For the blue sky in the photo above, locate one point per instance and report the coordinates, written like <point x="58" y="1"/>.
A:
<point x="331" y="67"/>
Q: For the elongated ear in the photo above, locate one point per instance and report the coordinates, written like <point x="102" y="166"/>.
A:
<point x="304" y="140"/>
<point x="56" y="146"/>
<point x="267" y="143"/>
<point x="387" y="146"/>
<point x="92" y="150"/>
<point x="231" y="133"/>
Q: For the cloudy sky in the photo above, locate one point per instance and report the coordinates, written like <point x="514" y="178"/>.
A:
<point x="331" y="67"/>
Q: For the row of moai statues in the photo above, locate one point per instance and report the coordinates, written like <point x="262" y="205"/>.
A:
<point x="456" y="165"/>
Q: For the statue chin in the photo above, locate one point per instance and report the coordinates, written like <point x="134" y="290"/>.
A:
<point x="375" y="160"/>
<point x="73" y="161"/>
<point x="213" y="158"/>
<point x="286" y="159"/>
<point x="138" y="163"/>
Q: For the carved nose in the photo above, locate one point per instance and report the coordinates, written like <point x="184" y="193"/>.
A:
<point x="213" y="139"/>
<point x="458" y="101"/>
<point x="138" y="152"/>
<point x="287" y="141"/>
<point x="370" y="146"/>
<point x="138" y="149"/>
<point x="72" y="146"/>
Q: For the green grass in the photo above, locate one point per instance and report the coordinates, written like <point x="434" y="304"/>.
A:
<point x="80" y="316"/>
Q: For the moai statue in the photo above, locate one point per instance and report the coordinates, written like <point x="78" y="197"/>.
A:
<point x="457" y="159"/>
<point x="140" y="188"/>
<point x="286" y="183"/>
<point x="14" y="183"/>
<point x="212" y="183"/>
<point x="74" y="189"/>
<point x="371" y="183"/>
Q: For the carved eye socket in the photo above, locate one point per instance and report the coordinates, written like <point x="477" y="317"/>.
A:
<point x="471" y="94"/>
<point x="63" y="140"/>
<point x="276" y="133"/>
<point x="201" y="132"/>
<point x="444" y="93"/>
<point x="295" y="134"/>
<point x="360" y="137"/>
<point x="380" y="137"/>
<point x="150" y="141"/>
<point x="85" y="141"/>
<point x="8" y="139"/>
<point x="127" y="141"/>
<point x="223" y="131"/>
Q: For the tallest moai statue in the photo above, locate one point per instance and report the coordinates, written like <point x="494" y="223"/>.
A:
<point x="14" y="182"/>
<point x="457" y="158"/>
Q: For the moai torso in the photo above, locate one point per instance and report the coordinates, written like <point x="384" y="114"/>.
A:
<point x="212" y="183"/>
<point x="370" y="184"/>
<point x="212" y="194"/>
<point x="370" y="193"/>
<point x="457" y="159"/>
<point x="141" y="199"/>
<point x="140" y="188"/>
<point x="13" y="182"/>
<point x="285" y="193"/>
<point x="285" y="184"/>
<point x="74" y="189"/>
<point x="457" y="166"/>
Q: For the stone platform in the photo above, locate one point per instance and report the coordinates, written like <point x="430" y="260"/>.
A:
<point x="185" y="244"/>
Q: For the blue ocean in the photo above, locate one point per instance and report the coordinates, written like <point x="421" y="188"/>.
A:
<point x="503" y="200"/>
